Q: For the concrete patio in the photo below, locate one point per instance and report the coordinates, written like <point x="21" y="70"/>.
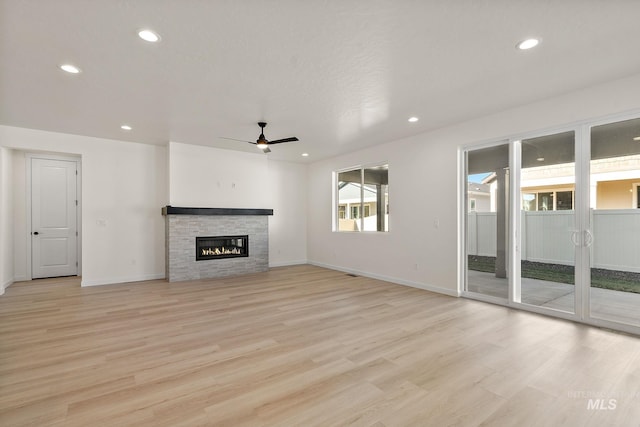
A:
<point x="623" y="307"/>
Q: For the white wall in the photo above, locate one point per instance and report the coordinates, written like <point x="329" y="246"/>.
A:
<point x="6" y="217"/>
<point x="421" y="246"/>
<point x="19" y="182"/>
<point x="123" y="187"/>
<point x="287" y="185"/>
<point x="209" y="177"/>
<point x="214" y="178"/>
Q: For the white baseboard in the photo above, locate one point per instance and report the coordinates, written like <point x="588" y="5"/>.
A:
<point x="5" y="285"/>
<point x="288" y="263"/>
<point x="114" y="280"/>
<point x="395" y="280"/>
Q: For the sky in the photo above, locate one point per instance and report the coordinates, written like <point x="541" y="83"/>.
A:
<point x="477" y="178"/>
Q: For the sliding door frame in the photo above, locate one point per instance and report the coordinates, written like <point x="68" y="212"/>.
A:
<point x="587" y="219"/>
<point x="582" y="222"/>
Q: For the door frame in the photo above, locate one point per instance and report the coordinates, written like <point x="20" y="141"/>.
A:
<point x="587" y="221"/>
<point x="582" y="129"/>
<point x="516" y="220"/>
<point x="29" y="156"/>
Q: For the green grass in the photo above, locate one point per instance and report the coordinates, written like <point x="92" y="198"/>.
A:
<point x="600" y="278"/>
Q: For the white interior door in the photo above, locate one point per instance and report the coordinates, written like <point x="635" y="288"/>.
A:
<point x="53" y="218"/>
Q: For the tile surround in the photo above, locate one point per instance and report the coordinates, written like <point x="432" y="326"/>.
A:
<point x="180" y="246"/>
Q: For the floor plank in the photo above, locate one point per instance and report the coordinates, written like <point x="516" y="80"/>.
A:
<point x="300" y="345"/>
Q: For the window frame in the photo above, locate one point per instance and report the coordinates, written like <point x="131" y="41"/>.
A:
<point x="362" y="205"/>
<point x="554" y="194"/>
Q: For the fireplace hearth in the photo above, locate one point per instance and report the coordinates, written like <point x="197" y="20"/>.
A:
<point x="219" y="247"/>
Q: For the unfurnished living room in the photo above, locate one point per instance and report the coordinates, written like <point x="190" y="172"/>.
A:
<point x="330" y="213"/>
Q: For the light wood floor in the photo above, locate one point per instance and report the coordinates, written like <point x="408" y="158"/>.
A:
<point x="300" y="346"/>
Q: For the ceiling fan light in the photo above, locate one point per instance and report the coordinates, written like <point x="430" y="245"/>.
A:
<point x="262" y="145"/>
<point x="149" y="36"/>
<point x="528" y="44"/>
<point x="69" y="68"/>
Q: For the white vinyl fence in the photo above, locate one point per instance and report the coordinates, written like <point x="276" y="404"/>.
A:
<point x="546" y="237"/>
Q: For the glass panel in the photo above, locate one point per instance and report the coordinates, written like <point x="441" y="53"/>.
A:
<point x="547" y="252"/>
<point x="355" y="212"/>
<point x="349" y="200"/>
<point x="529" y="201"/>
<point x="615" y="226"/>
<point x="545" y="201"/>
<point x="487" y="223"/>
<point x="564" y="200"/>
<point x="376" y="197"/>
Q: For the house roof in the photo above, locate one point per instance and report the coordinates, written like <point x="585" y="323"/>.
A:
<point x="339" y="75"/>
<point x="351" y="191"/>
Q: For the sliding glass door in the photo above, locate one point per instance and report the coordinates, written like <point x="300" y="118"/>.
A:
<point x="614" y="234"/>
<point x="552" y="223"/>
<point x="487" y="202"/>
<point x="548" y="221"/>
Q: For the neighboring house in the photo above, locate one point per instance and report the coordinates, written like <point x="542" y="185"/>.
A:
<point x="350" y="210"/>
<point x="479" y="197"/>
<point x="614" y="184"/>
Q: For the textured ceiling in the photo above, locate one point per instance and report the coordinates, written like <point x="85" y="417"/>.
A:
<point x="339" y="75"/>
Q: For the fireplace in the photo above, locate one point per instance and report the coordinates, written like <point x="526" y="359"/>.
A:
<point x="219" y="247"/>
<point x="185" y="226"/>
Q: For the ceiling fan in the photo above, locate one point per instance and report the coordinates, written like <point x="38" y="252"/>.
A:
<point x="262" y="142"/>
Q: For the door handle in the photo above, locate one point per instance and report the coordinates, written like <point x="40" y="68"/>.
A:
<point x="574" y="238"/>
<point x="588" y="238"/>
<point x="35" y="233"/>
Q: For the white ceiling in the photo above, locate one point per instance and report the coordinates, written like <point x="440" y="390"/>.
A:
<point x="340" y="75"/>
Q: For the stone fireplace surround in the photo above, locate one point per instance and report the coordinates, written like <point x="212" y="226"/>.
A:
<point x="183" y="225"/>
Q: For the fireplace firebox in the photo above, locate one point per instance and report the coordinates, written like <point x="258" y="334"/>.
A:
<point x="218" y="247"/>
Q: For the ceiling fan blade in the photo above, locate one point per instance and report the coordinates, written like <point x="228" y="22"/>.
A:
<point x="278" y="141"/>
<point x="233" y="139"/>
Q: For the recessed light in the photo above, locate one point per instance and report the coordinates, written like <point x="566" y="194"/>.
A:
<point x="413" y="119"/>
<point x="70" y="68"/>
<point x="637" y="138"/>
<point x="540" y="159"/>
<point x="305" y="154"/>
<point x="126" y="127"/>
<point x="149" y="36"/>
<point x="528" y="44"/>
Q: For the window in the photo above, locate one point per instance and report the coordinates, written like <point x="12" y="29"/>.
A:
<point x="529" y="201"/>
<point x="342" y="212"/>
<point x="564" y="200"/>
<point x="472" y="205"/>
<point x="363" y="199"/>
<point x="547" y="200"/>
